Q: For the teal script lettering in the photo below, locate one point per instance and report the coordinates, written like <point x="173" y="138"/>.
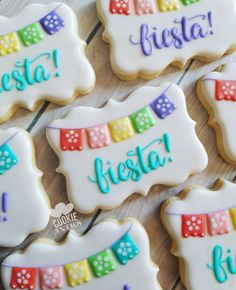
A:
<point x="222" y="266"/>
<point x="130" y="169"/>
<point x="30" y="72"/>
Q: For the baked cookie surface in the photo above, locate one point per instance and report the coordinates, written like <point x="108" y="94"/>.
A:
<point x="217" y="92"/>
<point x="24" y="206"/>
<point x="202" y="224"/>
<point x="145" y="36"/>
<point x="110" y="256"/>
<point x="34" y="61"/>
<point x="107" y="154"/>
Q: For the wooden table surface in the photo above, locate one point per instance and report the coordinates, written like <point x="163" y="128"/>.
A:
<point x="145" y="209"/>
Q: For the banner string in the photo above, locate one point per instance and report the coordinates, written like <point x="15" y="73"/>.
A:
<point x="212" y="79"/>
<point x="56" y="8"/>
<point x="10" y="138"/>
<point x="203" y="213"/>
<point x="81" y="259"/>
<point x="58" y="128"/>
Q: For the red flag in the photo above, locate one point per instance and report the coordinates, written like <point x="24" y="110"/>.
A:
<point x="194" y="225"/>
<point x="72" y="139"/>
<point x="24" y="278"/>
<point x="120" y="7"/>
<point x="226" y="90"/>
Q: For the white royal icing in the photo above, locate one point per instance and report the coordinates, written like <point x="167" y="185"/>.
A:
<point x="77" y="166"/>
<point x="196" y="253"/>
<point x="223" y="110"/>
<point x="72" y="73"/>
<point x="209" y="39"/>
<point x="138" y="273"/>
<point x="27" y="204"/>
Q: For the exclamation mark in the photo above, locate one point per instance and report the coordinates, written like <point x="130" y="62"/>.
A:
<point x="167" y="142"/>
<point x="5" y="205"/>
<point x="210" y="22"/>
<point x="56" y="57"/>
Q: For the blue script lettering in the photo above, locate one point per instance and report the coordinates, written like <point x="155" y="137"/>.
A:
<point x="129" y="169"/>
<point x="29" y="72"/>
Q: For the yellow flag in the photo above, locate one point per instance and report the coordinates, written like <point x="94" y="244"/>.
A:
<point x="77" y="273"/>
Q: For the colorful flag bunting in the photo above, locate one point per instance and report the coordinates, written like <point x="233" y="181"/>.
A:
<point x="102" y="263"/>
<point x="125" y="249"/>
<point x="225" y="90"/>
<point x="52" y="22"/>
<point x="7" y="158"/>
<point x="24" y="278"/>
<point x="144" y="6"/>
<point x="9" y="44"/>
<point x="78" y="273"/>
<point x="194" y="225"/>
<point x="118" y="130"/>
<point x="51" y="278"/>
<point x="72" y="139"/>
<point x="31" y="34"/>
<point x="219" y="223"/>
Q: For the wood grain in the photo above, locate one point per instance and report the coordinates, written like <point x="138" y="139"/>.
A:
<point x="108" y="86"/>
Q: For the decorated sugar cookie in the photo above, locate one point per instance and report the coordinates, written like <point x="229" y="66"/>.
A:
<point x="24" y="207"/>
<point x="217" y="92"/>
<point x="109" y="153"/>
<point x="145" y="36"/>
<point x="202" y="225"/>
<point x="34" y="59"/>
<point x="111" y="256"/>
